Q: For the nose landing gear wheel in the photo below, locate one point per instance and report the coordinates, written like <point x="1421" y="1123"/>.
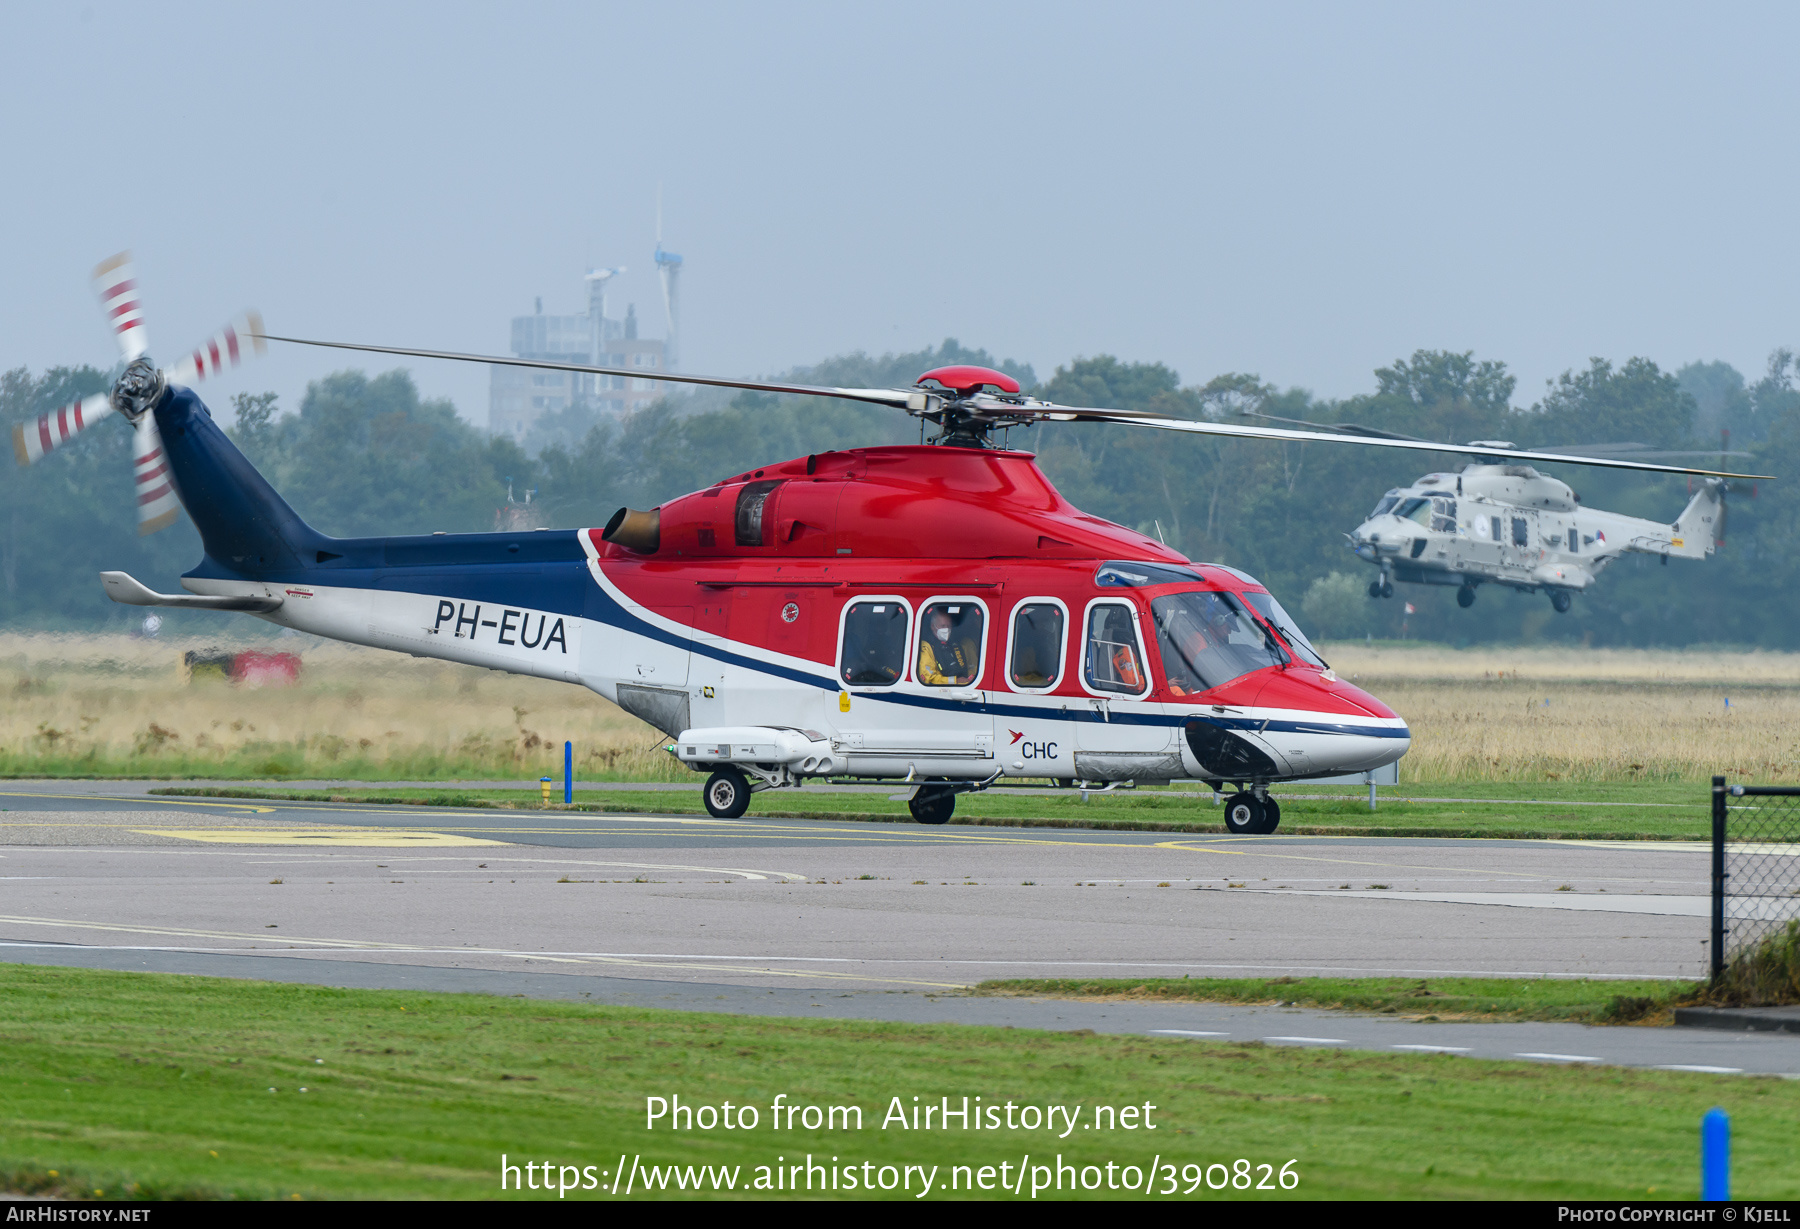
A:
<point x="1387" y="588"/>
<point x="1248" y="815"/>
<point x="727" y="794"/>
<point x="1374" y="588"/>
<point x="932" y="805"/>
<point x="1465" y="596"/>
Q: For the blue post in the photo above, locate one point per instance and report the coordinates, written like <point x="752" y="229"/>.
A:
<point x="568" y="773"/>
<point x="1715" y="1156"/>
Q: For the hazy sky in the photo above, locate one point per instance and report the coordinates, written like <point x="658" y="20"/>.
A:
<point x="1302" y="191"/>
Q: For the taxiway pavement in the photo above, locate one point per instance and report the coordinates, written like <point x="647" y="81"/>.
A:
<point x="879" y="919"/>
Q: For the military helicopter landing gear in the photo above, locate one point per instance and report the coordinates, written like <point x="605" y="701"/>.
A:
<point x="1248" y="815"/>
<point x="727" y="794"/>
<point x="1381" y="587"/>
<point x="1465" y="596"/>
<point x="933" y="804"/>
<point x="1561" y="601"/>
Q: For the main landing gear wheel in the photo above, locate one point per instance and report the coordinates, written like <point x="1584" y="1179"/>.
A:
<point x="727" y="794"/>
<point x="1561" y="601"/>
<point x="1465" y="596"/>
<point x="1248" y="815"/>
<point x="933" y="804"/>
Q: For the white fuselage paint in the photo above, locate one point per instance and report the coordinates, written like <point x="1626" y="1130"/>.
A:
<point x="906" y="729"/>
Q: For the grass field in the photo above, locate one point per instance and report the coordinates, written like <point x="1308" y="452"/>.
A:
<point x="141" y="1084"/>
<point x="1566" y="810"/>
<point x="1484" y="999"/>
<point x="117" y="706"/>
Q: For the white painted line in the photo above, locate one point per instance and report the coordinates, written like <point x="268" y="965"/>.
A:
<point x="1701" y="1068"/>
<point x="1324" y="1041"/>
<point x="1187" y="1032"/>
<point x="1562" y="1058"/>
<point x="1437" y="1049"/>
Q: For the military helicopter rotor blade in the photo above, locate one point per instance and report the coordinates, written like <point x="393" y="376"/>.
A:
<point x="898" y="398"/>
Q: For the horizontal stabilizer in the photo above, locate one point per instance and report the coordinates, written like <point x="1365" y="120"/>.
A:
<point x="129" y="591"/>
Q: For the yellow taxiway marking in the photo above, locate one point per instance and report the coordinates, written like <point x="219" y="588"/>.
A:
<point x="262" y="943"/>
<point x="336" y="839"/>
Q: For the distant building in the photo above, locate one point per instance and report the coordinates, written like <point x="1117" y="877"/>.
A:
<point x="519" y="396"/>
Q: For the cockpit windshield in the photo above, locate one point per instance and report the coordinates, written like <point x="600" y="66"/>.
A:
<point x="1208" y="639"/>
<point x="1265" y="605"/>
<point x="1386" y="505"/>
<point x="1415" y="509"/>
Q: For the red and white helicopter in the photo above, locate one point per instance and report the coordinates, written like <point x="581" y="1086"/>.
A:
<point x="934" y="614"/>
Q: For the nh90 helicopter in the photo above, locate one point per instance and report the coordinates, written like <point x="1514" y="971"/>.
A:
<point x="1499" y="522"/>
<point x="937" y="615"/>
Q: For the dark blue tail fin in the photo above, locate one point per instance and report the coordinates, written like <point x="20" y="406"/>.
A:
<point x="247" y="528"/>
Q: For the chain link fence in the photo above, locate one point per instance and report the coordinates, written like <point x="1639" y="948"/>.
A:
<point x="1755" y="871"/>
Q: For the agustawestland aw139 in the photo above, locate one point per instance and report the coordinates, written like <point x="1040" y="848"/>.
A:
<point x="937" y="615"/>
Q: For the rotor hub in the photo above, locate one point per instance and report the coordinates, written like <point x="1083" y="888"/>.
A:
<point x="138" y="389"/>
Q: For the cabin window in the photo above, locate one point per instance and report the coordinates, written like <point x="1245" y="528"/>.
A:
<point x="1208" y="639"/>
<point x="874" y="652"/>
<point x="1521" y="535"/>
<point x="1114" y="660"/>
<point x="751" y="502"/>
<point x="950" y="644"/>
<point x="1496" y="524"/>
<point x="1574" y="540"/>
<point x="1037" y="645"/>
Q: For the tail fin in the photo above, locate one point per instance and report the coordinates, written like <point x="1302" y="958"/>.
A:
<point x="247" y="528"/>
<point x="1696" y="530"/>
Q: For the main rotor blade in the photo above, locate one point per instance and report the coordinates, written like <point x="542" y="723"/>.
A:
<point x="1468" y="450"/>
<point x="223" y="349"/>
<point x="898" y="398"/>
<point x="32" y="440"/>
<point x="115" y="281"/>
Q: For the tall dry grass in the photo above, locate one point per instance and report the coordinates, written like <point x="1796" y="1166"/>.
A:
<point x="1530" y="714"/>
<point x="119" y="705"/>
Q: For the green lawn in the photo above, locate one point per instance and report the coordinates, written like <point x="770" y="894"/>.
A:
<point x="1444" y="998"/>
<point x="1481" y="809"/>
<point x="136" y="1084"/>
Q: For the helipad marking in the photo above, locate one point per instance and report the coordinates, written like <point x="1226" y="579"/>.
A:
<point x="336" y="839"/>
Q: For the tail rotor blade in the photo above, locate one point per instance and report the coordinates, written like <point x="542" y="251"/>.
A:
<point x="31" y="440"/>
<point x="226" y="348"/>
<point x="115" y="281"/>
<point x="157" y="505"/>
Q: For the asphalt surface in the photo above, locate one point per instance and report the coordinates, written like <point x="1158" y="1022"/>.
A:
<point x="859" y="920"/>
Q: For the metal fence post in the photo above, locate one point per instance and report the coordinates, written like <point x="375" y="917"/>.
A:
<point x="1718" y="878"/>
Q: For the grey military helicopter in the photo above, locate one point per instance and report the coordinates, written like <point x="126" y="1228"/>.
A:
<point x="1496" y="521"/>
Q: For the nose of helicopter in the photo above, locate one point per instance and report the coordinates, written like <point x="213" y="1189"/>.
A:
<point x="1377" y="536"/>
<point x="1342" y="727"/>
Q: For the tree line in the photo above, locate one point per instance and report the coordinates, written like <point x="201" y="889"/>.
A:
<point x="366" y="455"/>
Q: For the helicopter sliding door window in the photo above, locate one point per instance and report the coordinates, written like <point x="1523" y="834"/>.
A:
<point x="952" y="639"/>
<point x="752" y="500"/>
<point x="1039" y="639"/>
<point x="872" y="650"/>
<point x="1114" y="660"/>
<point x="1521" y="534"/>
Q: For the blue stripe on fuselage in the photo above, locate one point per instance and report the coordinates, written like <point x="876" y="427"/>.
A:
<point x="568" y="589"/>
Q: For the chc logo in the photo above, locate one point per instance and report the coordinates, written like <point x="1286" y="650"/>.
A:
<point x="1032" y="751"/>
